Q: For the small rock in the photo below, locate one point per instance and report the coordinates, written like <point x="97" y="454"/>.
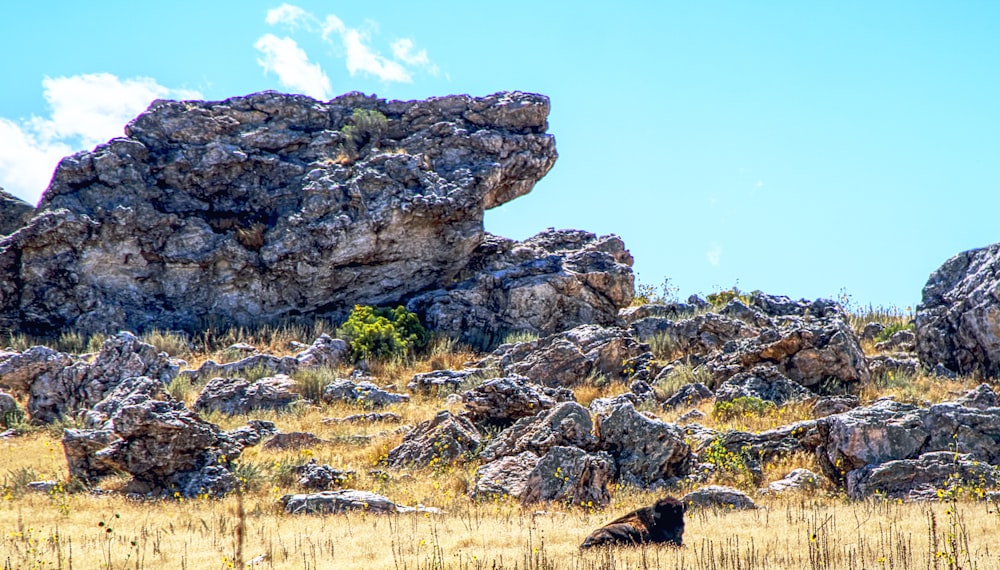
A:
<point x="293" y="440"/>
<point x="363" y="393"/>
<point x="796" y="480"/>
<point x="688" y="395"/>
<point x="718" y="496"/>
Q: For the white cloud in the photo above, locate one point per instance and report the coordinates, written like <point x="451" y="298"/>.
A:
<point x="290" y="63"/>
<point x="86" y="110"/>
<point x="288" y="15"/>
<point x="714" y="255"/>
<point x="360" y="56"/>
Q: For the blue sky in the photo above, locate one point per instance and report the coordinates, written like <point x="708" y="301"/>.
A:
<point x="795" y="147"/>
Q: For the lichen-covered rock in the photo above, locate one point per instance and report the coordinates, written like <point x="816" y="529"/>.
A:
<point x="958" y="319"/>
<point x="566" y="424"/>
<point x="14" y="213"/>
<point x="240" y="211"/>
<point x="239" y="396"/>
<point x="504" y="400"/>
<point x="718" y="496"/>
<point x="696" y="335"/>
<point x="885" y="365"/>
<point x="312" y="475"/>
<point x="81" y="446"/>
<point x="570" y="475"/>
<point x="796" y="480"/>
<point x="330" y="502"/>
<point x="554" y="281"/>
<point x="80" y="386"/>
<point x="506" y="476"/>
<point x="900" y="341"/>
<point x="922" y="477"/>
<point x="365" y="394"/>
<point x="568" y="358"/>
<point x="762" y="382"/>
<point x="445" y="439"/>
<point x="688" y="395"/>
<point x="647" y="452"/>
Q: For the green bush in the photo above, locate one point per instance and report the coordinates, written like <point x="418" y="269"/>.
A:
<point x="720" y="299"/>
<point x="383" y="333"/>
<point x="894" y="328"/>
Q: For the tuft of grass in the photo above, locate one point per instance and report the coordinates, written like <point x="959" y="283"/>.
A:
<point x="173" y="343"/>
<point x="310" y="383"/>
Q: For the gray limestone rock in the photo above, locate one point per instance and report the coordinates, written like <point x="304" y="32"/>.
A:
<point x="331" y="502"/>
<point x="502" y="401"/>
<point x="129" y="392"/>
<point x="506" y="476"/>
<point x="829" y="405"/>
<point x="796" y="480"/>
<point x="238" y="396"/>
<point x="445" y="439"/>
<point x="18" y="370"/>
<point x="900" y="341"/>
<point x="688" y="394"/>
<point x="365" y="394"/>
<point x="81" y="447"/>
<point x="958" y="319"/>
<point x="314" y="476"/>
<point x="14" y="213"/>
<point x="443" y="380"/>
<point x="265" y="363"/>
<point x="260" y="208"/>
<point x="647" y="452"/>
<point x="923" y="476"/>
<point x="566" y="424"/>
<point x="718" y="496"/>
<point x="885" y="365"/>
<point x="570" y="475"/>
<point x="762" y="382"/>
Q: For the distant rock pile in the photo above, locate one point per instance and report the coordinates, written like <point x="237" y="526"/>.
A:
<point x="271" y="206"/>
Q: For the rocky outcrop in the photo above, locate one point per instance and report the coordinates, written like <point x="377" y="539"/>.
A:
<point x="762" y="382"/>
<point x="572" y="476"/>
<point x="958" y="319"/>
<point x="501" y="401"/>
<point x="81" y="447"/>
<point x="445" y="439"/>
<point x="567" y="424"/>
<point x="258" y="208"/>
<point x="923" y="477"/>
<point x="14" y="213"/>
<point x="365" y="394"/>
<point x="239" y="396"/>
<point x="568" y="358"/>
<point x="647" y="452"/>
<point x="549" y="283"/>
<point x="506" y="476"/>
<point x="312" y="475"/>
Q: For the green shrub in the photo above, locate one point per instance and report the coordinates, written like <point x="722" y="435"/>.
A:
<point x="894" y="328"/>
<point x="742" y="406"/>
<point x="719" y="299"/>
<point x="383" y="333"/>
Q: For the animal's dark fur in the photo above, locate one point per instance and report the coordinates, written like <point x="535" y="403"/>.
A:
<point x="662" y="522"/>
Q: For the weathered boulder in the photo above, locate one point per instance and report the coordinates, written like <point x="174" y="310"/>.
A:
<point x="9" y="409"/>
<point x="330" y="502"/>
<point x="18" y="370"/>
<point x="549" y="283"/>
<point x="981" y="397"/>
<point x="65" y="392"/>
<point x="265" y="363"/>
<point x="900" y="341"/>
<point x="267" y="206"/>
<point x="81" y="446"/>
<point x="829" y="405"/>
<point x="365" y="394"/>
<point x="697" y="335"/>
<point x="958" y="319"/>
<point x="769" y="445"/>
<point x="324" y="352"/>
<point x="239" y="396"/>
<point x="570" y="475"/>
<point x="506" y="476"/>
<point x="688" y="395"/>
<point x="129" y="392"/>
<point x="168" y="449"/>
<point x="718" y="496"/>
<point x="647" y="452"/>
<point x="886" y="365"/>
<point x="796" y="480"/>
<point x="566" y="424"/>
<point x="445" y="439"/>
<point x="762" y="382"/>
<point x="14" y="213"/>
<point x="312" y="475"/>
<point x="568" y="358"/>
<point x="501" y="401"/>
<point x="443" y="380"/>
<point x="922" y="477"/>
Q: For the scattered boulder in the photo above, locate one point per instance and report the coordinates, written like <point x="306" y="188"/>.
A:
<point x="570" y="475"/>
<point x="331" y="502"/>
<point x="554" y="281"/>
<point x="958" y="319"/>
<point x="796" y="480"/>
<point x="661" y="523"/>
<point x="81" y="447"/>
<point x="312" y="475"/>
<point x="501" y="401"/>
<point x="238" y="211"/>
<point x="506" y="476"/>
<point x="447" y="380"/>
<point x="647" y="452"/>
<point x="14" y="213"/>
<point x="688" y="395"/>
<point x="239" y="396"/>
<point x="18" y="370"/>
<point x="829" y="405"/>
<point x="762" y="382"/>
<point x="566" y="424"/>
<point x="568" y="358"/>
<point x="769" y="445"/>
<point x="439" y="441"/>
<point x="922" y="477"/>
<point x="982" y="397"/>
<point x="718" y="496"/>
<point x="9" y="410"/>
<point x="365" y="394"/>
<point x="871" y="331"/>
<point x="324" y="352"/>
<point x="900" y="341"/>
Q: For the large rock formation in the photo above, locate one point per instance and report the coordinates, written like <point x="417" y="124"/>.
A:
<point x="958" y="320"/>
<point x="269" y="206"/>
<point x="14" y="213"/>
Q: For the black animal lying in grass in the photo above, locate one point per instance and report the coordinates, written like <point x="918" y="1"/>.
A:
<point x="663" y="522"/>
